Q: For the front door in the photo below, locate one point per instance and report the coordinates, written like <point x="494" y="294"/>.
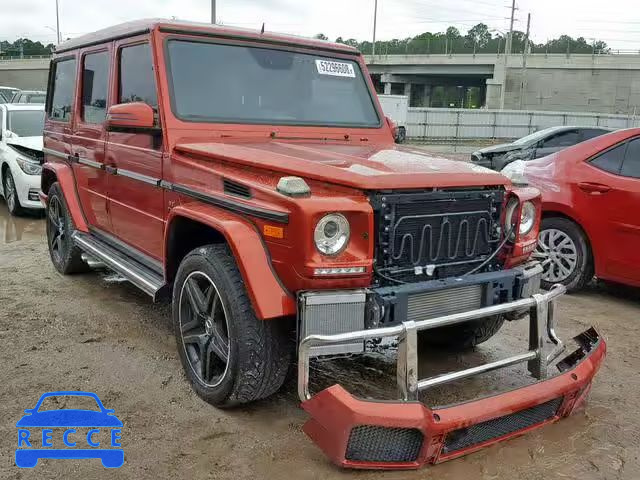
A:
<point x="89" y="137"/>
<point x="136" y="200"/>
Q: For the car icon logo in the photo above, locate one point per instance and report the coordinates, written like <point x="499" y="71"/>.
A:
<point x="69" y="433"/>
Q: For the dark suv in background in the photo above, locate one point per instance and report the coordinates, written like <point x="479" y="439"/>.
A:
<point x="536" y="145"/>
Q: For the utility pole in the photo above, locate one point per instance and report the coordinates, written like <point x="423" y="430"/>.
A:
<point x="58" y="23"/>
<point x="525" y="52"/>
<point x="507" y="52"/>
<point x="213" y="12"/>
<point x="375" y="20"/>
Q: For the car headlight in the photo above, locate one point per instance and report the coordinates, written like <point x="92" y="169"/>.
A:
<point x="332" y="234"/>
<point x="515" y="172"/>
<point x="29" y="166"/>
<point x="527" y="218"/>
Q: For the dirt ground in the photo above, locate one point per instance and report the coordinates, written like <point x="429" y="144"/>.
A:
<point x="82" y="333"/>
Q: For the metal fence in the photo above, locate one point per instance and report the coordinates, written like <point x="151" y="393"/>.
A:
<point x="463" y="124"/>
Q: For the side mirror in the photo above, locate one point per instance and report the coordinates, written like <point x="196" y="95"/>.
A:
<point x="135" y="116"/>
<point x="393" y="126"/>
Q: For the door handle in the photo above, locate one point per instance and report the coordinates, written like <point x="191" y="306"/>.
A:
<point x="593" y="188"/>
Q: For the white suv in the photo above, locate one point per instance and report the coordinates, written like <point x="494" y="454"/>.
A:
<point x="21" y="155"/>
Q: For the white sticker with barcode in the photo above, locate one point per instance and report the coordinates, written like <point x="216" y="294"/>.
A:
<point x="337" y="69"/>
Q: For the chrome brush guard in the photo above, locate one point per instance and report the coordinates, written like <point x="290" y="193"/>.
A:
<point x="540" y="354"/>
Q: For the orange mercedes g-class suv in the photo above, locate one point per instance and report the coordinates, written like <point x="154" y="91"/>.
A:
<point x="252" y="179"/>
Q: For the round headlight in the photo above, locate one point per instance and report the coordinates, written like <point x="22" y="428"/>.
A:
<point x="332" y="234"/>
<point x="527" y="217"/>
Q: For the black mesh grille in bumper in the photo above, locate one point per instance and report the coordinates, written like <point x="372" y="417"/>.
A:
<point x="370" y="443"/>
<point x="498" y="427"/>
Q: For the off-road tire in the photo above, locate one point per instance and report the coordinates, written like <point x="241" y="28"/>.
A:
<point x="462" y="336"/>
<point x="17" y="209"/>
<point x="259" y="350"/>
<point x="69" y="261"/>
<point x="584" y="270"/>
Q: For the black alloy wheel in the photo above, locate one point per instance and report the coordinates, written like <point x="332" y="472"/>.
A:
<point x="204" y="328"/>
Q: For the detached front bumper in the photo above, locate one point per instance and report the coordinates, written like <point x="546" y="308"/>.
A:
<point x="407" y="434"/>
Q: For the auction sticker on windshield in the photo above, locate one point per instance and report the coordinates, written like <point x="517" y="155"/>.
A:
<point x="337" y="69"/>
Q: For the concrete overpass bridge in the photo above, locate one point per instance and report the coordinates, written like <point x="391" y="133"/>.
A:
<point x="24" y="73"/>
<point x="593" y="83"/>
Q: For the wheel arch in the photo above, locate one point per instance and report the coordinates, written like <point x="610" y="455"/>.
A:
<point x="557" y="213"/>
<point x="191" y="227"/>
<point x="3" y="169"/>
<point x="47" y="179"/>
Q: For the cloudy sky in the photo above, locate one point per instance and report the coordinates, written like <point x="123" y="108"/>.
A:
<point x="615" y="21"/>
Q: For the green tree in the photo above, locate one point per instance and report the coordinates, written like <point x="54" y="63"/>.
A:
<point x="478" y="36"/>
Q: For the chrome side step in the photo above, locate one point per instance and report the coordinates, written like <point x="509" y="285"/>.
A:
<point x="142" y="277"/>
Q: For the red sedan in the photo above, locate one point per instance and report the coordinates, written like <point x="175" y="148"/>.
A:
<point x="591" y="210"/>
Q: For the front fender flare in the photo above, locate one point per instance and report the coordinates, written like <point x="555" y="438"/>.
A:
<point x="269" y="297"/>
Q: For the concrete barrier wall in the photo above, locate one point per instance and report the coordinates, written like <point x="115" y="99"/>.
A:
<point x="463" y="124"/>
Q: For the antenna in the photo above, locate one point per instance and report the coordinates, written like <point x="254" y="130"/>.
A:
<point x="262" y="29"/>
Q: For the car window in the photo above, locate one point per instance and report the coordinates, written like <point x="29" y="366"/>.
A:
<point x="611" y="160"/>
<point x="137" y="83"/>
<point x="589" y="133"/>
<point x="95" y="79"/>
<point x="565" y="139"/>
<point x="64" y="81"/>
<point x="631" y="165"/>
<point x="1" y="120"/>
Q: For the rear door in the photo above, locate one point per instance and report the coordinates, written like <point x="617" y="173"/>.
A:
<point x="88" y="147"/>
<point x="611" y="200"/>
<point x="58" y="130"/>
<point x="137" y="201"/>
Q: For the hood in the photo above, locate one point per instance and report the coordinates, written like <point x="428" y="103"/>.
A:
<point x="368" y="167"/>
<point x="32" y="143"/>
<point x="502" y="148"/>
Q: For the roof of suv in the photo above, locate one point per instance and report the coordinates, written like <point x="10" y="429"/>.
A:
<point x="139" y="27"/>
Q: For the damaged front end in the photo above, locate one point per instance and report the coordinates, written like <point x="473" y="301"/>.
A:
<point x="406" y="434"/>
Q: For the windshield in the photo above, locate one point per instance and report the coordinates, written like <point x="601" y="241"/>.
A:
<point x="26" y="123"/>
<point x="236" y="84"/>
<point x="534" y="137"/>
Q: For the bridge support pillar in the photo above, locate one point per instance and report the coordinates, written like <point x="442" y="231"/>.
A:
<point x="494" y="87"/>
